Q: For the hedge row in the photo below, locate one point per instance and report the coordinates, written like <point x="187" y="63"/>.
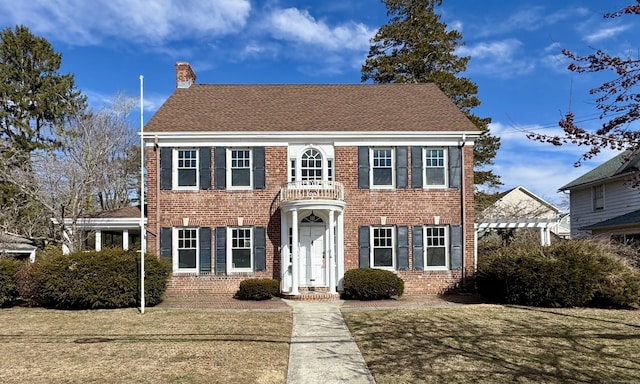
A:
<point x="83" y="280"/>
<point x="573" y="273"/>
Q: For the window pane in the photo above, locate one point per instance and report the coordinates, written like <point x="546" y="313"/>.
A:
<point x="241" y="177"/>
<point x="383" y="257"/>
<point x="435" y="176"/>
<point x="187" y="258"/>
<point x="187" y="177"/>
<point x="382" y="176"/>
<point x="241" y="258"/>
<point x="436" y="257"/>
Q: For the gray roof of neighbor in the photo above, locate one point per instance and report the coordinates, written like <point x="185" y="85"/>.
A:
<point x="614" y="167"/>
<point x="630" y="218"/>
<point x="282" y="108"/>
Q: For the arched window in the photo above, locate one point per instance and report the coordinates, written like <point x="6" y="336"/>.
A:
<point x="311" y="165"/>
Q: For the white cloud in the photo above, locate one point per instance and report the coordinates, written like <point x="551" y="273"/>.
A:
<point x="299" y="26"/>
<point x="530" y="19"/>
<point x="80" y="22"/>
<point x="497" y="58"/>
<point x="605" y="33"/>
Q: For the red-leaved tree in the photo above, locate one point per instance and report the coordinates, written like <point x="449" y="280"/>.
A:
<point x="617" y="99"/>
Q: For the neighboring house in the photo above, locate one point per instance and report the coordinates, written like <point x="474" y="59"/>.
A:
<point x="17" y="247"/>
<point x="603" y="201"/>
<point x="303" y="182"/>
<point x="118" y="228"/>
<point x="521" y="208"/>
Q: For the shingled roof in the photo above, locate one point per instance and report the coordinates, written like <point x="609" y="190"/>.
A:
<point x="621" y="164"/>
<point x="324" y="108"/>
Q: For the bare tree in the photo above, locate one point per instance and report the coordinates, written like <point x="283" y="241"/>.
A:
<point x="94" y="169"/>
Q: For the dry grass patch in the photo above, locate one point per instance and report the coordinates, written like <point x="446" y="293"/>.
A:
<point x="491" y="344"/>
<point x="122" y="346"/>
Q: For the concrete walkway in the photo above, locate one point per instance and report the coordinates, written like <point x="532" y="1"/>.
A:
<point x="322" y="349"/>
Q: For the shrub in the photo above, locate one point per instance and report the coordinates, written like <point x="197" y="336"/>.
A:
<point x="99" y="279"/>
<point x="8" y="286"/>
<point x="371" y="284"/>
<point x="258" y="289"/>
<point x="565" y="274"/>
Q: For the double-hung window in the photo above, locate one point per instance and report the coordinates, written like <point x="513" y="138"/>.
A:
<point x="435" y="167"/>
<point x="186" y="242"/>
<point x="240" y="161"/>
<point x="598" y="197"/>
<point x="186" y="173"/>
<point x="436" y="247"/>
<point x="382" y="247"/>
<point x="240" y="249"/>
<point x="382" y="168"/>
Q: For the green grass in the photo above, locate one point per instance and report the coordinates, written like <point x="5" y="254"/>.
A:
<point x="498" y="344"/>
<point x="163" y="345"/>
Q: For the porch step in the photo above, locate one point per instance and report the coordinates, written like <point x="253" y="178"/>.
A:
<point x="312" y="296"/>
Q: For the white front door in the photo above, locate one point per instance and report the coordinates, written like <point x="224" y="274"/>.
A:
<point x="312" y="256"/>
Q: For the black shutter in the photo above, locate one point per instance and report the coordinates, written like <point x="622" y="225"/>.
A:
<point x="416" y="167"/>
<point x="205" y="249"/>
<point x="402" y="173"/>
<point x="402" y="238"/>
<point x="455" y="167"/>
<point x="259" y="180"/>
<point x="220" y="174"/>
<point x="165" y="167"/>
<point x="221" y="250"/>
<point x="165" y="244"/>
<point x="364" y="253"/>
<point x="418" y="248"/>
<point x="260" y="249"/>
<point x="363" y="167"/>
<point x="205" y="167"/>
<point x="456" y="246"/>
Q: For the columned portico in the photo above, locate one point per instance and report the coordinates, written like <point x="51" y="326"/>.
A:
<point x="311" y="248"/>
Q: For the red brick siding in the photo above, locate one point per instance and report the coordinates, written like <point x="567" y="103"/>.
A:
<point x="408" y="207"/>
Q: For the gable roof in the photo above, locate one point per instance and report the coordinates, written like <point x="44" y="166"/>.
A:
<point x="325" y="108"/>
<point x="502" y="197"/>
<point x="624" y="163"/>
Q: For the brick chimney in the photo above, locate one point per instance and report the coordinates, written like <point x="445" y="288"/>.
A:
<point x="184" y="75"/>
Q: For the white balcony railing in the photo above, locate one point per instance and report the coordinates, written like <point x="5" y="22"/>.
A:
<point x="312" y="190"/>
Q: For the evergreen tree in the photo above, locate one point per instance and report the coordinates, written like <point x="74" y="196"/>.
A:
<point x="35" y="102"/>
<point x="416" y="47"/>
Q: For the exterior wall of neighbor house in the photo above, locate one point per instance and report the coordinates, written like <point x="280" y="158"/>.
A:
<point x="407" y="207"/>
<point x="519" y="204"/>
<point x="619" y="198"/>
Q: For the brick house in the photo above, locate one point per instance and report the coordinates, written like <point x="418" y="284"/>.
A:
<point x="302" y="182"/>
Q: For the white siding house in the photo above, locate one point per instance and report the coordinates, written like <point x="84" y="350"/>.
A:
<point x="602" y="199"/>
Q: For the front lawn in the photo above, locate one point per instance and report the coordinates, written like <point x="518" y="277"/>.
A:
<point x="161" y="346"/>
<point x="498" y="344"/>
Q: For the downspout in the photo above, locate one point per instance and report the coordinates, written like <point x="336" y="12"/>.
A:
<point x="155" y="148"/>
<point x="463" y="211"/>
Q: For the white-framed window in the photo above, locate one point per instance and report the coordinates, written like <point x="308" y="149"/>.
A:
<point x="239" y="170"/>
<point x="185" y="175"/>
<point x="240" y="249"/>
<point x="382" y="167"/>
<point x="436" y="248"/>
<point x="383" y="247"/>
<point x="185" y="243"/>
<point x="597" y="192"/>
<point x="435" y="167"/>
<point x="311" y="164"/>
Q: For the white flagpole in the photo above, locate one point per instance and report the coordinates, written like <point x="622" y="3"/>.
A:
<point x="143" y="232"/>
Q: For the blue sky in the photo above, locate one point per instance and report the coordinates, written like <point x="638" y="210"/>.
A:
<point x="514" y="48"/>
